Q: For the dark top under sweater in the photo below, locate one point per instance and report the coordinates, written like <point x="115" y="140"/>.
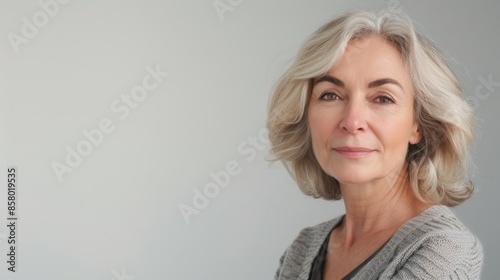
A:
<point x="318" y="265"/>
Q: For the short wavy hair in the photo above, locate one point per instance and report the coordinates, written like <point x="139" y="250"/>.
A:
<point x="437" y="166"/>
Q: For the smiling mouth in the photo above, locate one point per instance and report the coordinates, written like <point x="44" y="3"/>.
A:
<point x="353" y="152"/>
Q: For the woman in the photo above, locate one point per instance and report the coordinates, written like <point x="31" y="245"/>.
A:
<point x="370" y="113"/>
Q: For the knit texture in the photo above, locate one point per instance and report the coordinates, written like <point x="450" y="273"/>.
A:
<point x="433" y="245"/>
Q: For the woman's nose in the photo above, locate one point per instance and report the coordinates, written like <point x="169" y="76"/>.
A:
<point x="354" y="117"/>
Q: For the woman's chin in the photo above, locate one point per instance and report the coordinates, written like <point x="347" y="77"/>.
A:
<point x="352" y="179"/>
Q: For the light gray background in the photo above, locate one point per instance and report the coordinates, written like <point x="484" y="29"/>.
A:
<point x="116" y="215"/>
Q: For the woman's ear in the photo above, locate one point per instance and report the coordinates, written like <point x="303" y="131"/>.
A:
<point x="415" y="136"/>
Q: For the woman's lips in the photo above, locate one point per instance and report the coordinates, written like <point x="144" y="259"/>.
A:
<point x="353" y="152"/>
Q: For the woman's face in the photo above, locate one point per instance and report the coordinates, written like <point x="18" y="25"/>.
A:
<point x="361" y="114"/>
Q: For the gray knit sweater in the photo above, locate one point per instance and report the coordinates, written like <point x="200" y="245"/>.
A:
<point x="433" y="245"/>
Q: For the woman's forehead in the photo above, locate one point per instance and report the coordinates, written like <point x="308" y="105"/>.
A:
<point x="368" y="59"/>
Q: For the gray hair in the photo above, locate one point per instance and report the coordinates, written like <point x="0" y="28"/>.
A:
<point x="437" y="166"/>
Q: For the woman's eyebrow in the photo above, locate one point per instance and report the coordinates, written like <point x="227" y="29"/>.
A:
<point x="376" y="83"/>
<point x="384" y="81"/>
<point x="331" y="79"/>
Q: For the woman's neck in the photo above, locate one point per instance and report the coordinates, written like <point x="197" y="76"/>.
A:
<point x="377" y="208"/>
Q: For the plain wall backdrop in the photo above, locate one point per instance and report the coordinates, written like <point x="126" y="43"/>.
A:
<point x="120" y="114"/>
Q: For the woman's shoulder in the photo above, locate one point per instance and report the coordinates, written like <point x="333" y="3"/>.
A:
<point x="437" y="220"/>
<point x="437" y="225"/>
<point x="435" y="243"/>
<point x="316" y="235"/>
<point x="296" y="262"/>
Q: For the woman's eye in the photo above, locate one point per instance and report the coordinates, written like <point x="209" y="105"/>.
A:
<point x="384" y="100"/>
<point x="329" y="96"/>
